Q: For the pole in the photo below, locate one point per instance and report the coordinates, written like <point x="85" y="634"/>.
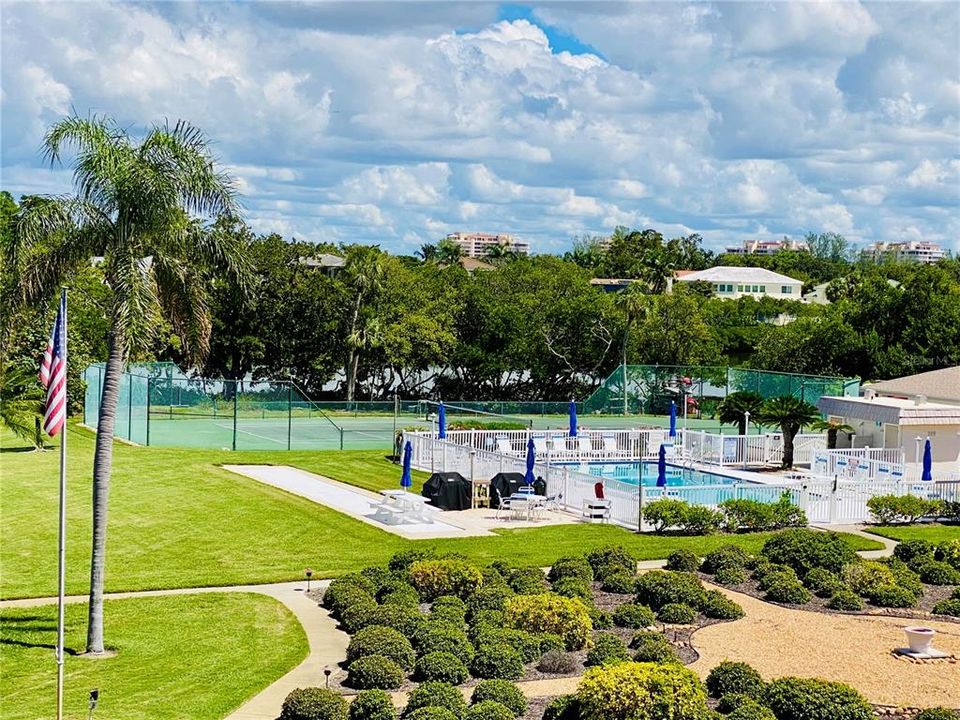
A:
<point x="62" y="548"/>
<point x="290" y="421"/>
<point x="396" y="411"/>
<point x="148" y="411"/>
<point x="625" y="377"/>
<point x="235" y="394"/>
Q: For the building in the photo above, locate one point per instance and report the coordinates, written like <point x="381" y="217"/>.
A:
<point x="478" y="245"/>
<point x="767" y="247"/>
<point x="613" y="284"/>
<point x="922" y="251"/>
<point x="734" y="282"/>
<point x="941" y="386"/>
<point x="325" y="262"/>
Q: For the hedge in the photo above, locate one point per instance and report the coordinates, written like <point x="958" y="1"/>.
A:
<point x="501" y="691"/>
<point x="636" y="691"/>
<point x="567" y="617"/>
<point x="379" y="640"/>
<point x="735" y="677"/>
<point x="436" y="694"/>
<point x="793" y="698"/>
<point x="374" y="672"/>
<point x="313" y="704"/>
<point x="372" y="705"/>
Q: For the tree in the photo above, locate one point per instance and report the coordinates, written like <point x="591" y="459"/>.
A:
<point x="427" y="252"/>
<point x="827" y="246"/>
<point x="20" y="403"/>
<point x="733" y="408"/>
<point x="449" y="252"/>
<point x="831" y="428"/>
<point x="790" y="414"/>
<point x="364" y="275"/>
<point x="133" y="205"/>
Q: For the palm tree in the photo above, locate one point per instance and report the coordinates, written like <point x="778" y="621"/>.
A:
<point x="832" y="428"/>
<point x="733" y="408"/>
<point x="365" y="274"/>
<point x="657" y="270"/>
<point x="448" y="252"/>
<point x="133" y="206"/>
<point x="427" y="252"/>
<point x="632" y="302"/>
<point x="20" y="403"/>
<point x="790" y="414"/>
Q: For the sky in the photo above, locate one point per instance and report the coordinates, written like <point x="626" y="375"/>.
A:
<point x="397" y="122"/>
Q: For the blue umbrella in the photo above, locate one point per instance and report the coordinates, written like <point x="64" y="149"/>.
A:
<point x="573" y="418"/>
<point x="927" y="461"/>
<point x="442" y="422"/>
<point x="673" y="419"/>
<point x="406" y="479"/>
<point x="531" y="458"/>
<point x="662" y="467"/>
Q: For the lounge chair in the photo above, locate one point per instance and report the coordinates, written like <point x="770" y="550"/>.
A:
<point x="584" y="445"/>
<point x="503" y="445"/>
<point x="540" y="445"/>
<point x="558" y="444"/>
<point x="610" y="445"/>
<point x="599" y="507"/>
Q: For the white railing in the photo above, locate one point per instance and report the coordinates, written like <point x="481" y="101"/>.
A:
<point x="749" y="450"/>
<point x="863" y="464"/>
<point x="631" y="444"/>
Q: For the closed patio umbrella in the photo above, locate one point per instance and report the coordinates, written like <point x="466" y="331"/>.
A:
<point x="927" y="461"/>
<point x="442" y="422"/>
<point x="673" y="419"/>
<point x="406" y="479"/>
<point x="572" y="411"/>
<point x="662" y="467"/>
<point x="531" y="458"/>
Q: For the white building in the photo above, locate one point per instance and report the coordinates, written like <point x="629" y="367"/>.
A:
<point x="478" y="245"/>
<point x="940" y="386"/>
<point x="916" y="251"/>
<point x="734" y="282"/>
<point x="767" y="247"/>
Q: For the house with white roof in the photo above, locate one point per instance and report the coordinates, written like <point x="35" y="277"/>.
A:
<point x="734" y="282"/>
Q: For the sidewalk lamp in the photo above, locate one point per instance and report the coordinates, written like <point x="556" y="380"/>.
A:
<point x="326" y="674"/>
<point x="92" y="704"/>
<point x="308" y="572"/>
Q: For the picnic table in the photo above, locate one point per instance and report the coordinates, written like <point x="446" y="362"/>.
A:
<point x="401" y="506"/>
<point x="526" y="503"/>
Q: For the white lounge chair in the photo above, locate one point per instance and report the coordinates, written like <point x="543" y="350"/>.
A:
<point x="540" y="444"/>
<point x="584" y="445"/>
<point x="503" y="445"/>
<point x="558" y="444"/>
<point x="610" y="445"/>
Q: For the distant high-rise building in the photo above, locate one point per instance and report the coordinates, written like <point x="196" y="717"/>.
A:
<point x="767" y="247"/>
<point x="922" y="251"/>
<point x="478" y="245"/>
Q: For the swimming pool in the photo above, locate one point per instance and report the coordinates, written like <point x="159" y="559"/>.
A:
<point x="646" y="474"/>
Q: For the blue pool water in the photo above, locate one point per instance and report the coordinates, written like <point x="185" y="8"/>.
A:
<point x="645" y="473"/>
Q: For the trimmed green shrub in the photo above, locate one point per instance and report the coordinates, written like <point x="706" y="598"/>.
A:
<point x="784" y="514"/>
<point x="610" y="560"/>
<point x="372" y="705"/>
<point x="433" y="638"/>
<point x="730" y="576"/>
<point x="525" y="643"/>
<point x="845" y="600"/>
<point x="788" y="591"/>
<point x="955" y="595"/>
<point x="632" y="615"/>
<point x="375" y="672"/>
<point x="574" y="566"/>
<point x="431" y="712"/>
<point x="573" y="587"/>
<point x="793" y="698"/>
<point x="761" y="567"/>
<point x="731" y="701"/>
<point x="406" y="620"/>
<point x="377" y="575"/>
<point x="652" y="646"/>
<point x="683" y="561"/>
<point x="497" y="660"/>
<point x="433" y="578"/>
<point x="890" y="509"/>
<point x="488" y="598"/>
<point x="718" y="606"/>
<point x="700" y="520"/>
<point x="910" y="549"/>
<point x="892" y="596"/>
<point x="558" y="662"/>
<point x="949" y="552"/>
<point x="659" y="587"/>
<point x="937" y="572"/>
<point x="484" y="621"/>
<point x="313" y="703"/>
<point x="501" y="691"/>
<point x="337" y="598"/>
<point x="398" y="592"/>
<point x="607" y="648"/>
<point x="937" y="713"/>
<point x="619" y="582"/>
<point x="379" y="640"/>
<point x="527" y="581"/>
<point x="751" y="515"/>
<point x="636" y="691"/>
<point x="401" y="561"/>
<point x="359" y="614"/>
<point x="436" y="694"/>
<point x="725" y="556"/>
<point x="752" y="710"/>
<point x="565" y="707"/>
<point x="550" y="641"/>
<point x="904" y="576"/>
<point x="676" y="614"/>
<point x="775" y="577"/>
<point x="664" y="513"/>
<point x="865" y="577"/>
<point x="441" y="666"/>
<point x="451" y="606"/>
<point x="488" y="710"/>
<point x="601" y="620"/>
<point x="804" y="549"/>
<point x="950" y="608"/>
<point x="567" y="617"/>
<point x="735" y="677"/>
<point x="822" y="583"/>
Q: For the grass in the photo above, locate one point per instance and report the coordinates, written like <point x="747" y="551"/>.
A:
<point x="238" y="644"/>
<point x="178" y="520"/>
<point x="931" y="533"/>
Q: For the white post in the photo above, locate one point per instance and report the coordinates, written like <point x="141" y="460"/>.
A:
<point x="916" y="457"/>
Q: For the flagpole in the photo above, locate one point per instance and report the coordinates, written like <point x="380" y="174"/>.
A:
<point x="63" y="524"/>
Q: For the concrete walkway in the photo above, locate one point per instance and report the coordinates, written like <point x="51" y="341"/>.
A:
<point x="888" y="544"/>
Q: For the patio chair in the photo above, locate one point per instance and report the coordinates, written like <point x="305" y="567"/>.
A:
<point x="584" y="445"/>
<point x="558" y="444"/>
<point x="503" y="503"/>
<point x="610" y="445"/>
<point x="597" y="508"/>
<point x="503" y="445"/>
<point x="540" y="445"/>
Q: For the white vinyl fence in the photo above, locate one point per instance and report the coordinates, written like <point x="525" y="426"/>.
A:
<point x="749" y="450"/>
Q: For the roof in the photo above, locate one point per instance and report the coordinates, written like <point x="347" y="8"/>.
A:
<point x="323" y="260"/>
<point x="470" y="264"/>
<point x="616" y="282"/>
<point x="732" y="273"/>
<point x="936" y="385"/>
<point x="896" y="411"/>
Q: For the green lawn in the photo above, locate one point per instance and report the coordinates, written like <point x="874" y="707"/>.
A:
<point x="197" y="656"/>
<point x="178" y="520"/>
<point x="931" y="533"/>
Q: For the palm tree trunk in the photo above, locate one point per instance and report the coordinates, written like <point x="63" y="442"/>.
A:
<point x="788" y="434"/>
<point x="832" y="439"/>
<point x="102" y="466"/>
<point x="352" y="353"/>
<point x="742" y="425"/>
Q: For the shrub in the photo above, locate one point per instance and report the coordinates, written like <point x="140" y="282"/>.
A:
<point x="845" y="600"/>
<point x="788" y="591"/>
<point x="822" y="583"/>
<point x="372" y="705"/>
<point x="610" y="560"/>
<point x="811" y="699"/>
<point x="750" y="515"/>
<point x="719" y="606"/>
<point x="700" y="520"/>
<point x="573" y="587"/>
<point x="338" y="597"/>
<point x="734" y="677"/>
<point x="575" y="566"/>
<point x="652" y="646"/>
<point x="433" y="578"/>
<point x="725" y="556"/>
<point x="730" y="576"/>
<point x="489" y="598"/>
<point x="375" y="672"/>
<point x="527" y="581"/>
<point x="488" y="710"/>
<point x="436" y="694"/>
<point x="949" y="510"/>
<point x="359" y="614"/>
<point x="550" y="641"/>
<point x="761" y="567"/>
<point x="558" y="661"/>
<point x="910" y="549"/>
<point x="804" y="549"/>
<point x="405" y="620"/>
<point x="430" y="713"/>
<point x="620" y="583"/>
<point x="432" y="638"/>
<point x="664" y="513"/>
<point x="751" y="710"/>
<point x="683" y="561"/>
<point x="659" y="587"/>
<point x="892" y="596"/>
<point x="565" y="707"/>
<point x="484" y="621"/>
<point x="904" y="576"/>
<point x="450" y="606"/>
<point x="497" y="660"/>
<point x="632" y="615"/>
<point x="567" y="617"/>
<point x="398" y="592"/>
<point x="401" y="561"/>
<point x="676" y="614"/>
<point x="937" y="713"/>
<point x="526" y="644"/>
<point x="313" y="704"/>
<point x="775" y="577"/>
<point x="501" y="691"/>
<point x="949" y="552"/>
<point x="937" y="572"/>
<point x="889" y="509"/>
<point x="947" y="607"/>
<point x="865" y="577"/>
<point x="379" y="640"/>
<point x="607" y="648"/>
<point x="636" y="691"/>
<point x="785" y="514"/>
<point x="441" y="666"/>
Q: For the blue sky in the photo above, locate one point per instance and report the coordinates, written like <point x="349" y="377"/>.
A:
<point x="397" y="122"/>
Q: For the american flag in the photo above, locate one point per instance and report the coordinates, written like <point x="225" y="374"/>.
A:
<point x="53" y="374"/>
